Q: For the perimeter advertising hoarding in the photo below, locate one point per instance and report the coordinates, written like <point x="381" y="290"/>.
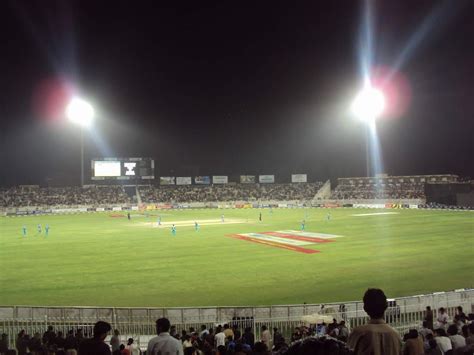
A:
<point x="219" y="179"/>
<point x="299" y="178"/>
<point x="167" y="180"/>
<point x="266" y="179"/>
<point x="202" y="180"/>
<point x="247" y="179"/>
<point x="183" y="180"/>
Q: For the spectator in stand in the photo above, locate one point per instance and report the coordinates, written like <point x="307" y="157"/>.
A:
<point x="240" y="342"/>
<point x="71" y="341"/>
<point x="429" y="318"/>
<point x="130" y="345"/>
<point x="59" y="341"/>
<point x="413" y="344"/>
<point x="469" y="348"/>
<point x="297" y="335"/>
<point x="239" y="350"/>
<point x="470" y="338"/>
<point x="221" y="350"/>
<point x="433" y="348"/>
<point x="123" y="350"/>
<point x="115" y="341"/>
<point x="4" y="344"/>
<point x="333" y="329"/>
<point x="442" y="319"/>
<point x="203" y="332"/>
<point x="164" y="343"/>
<point x="266" y="337"/>
<point x="209" y="338"/>
<point x="49" y="335"/>
<point x="34" y="345"/>
<point x="376" y="337"/>
<point x="277" y="337"/>
<point x="21" y="343"/>
<point x="318" y="346"/>
<point x="260" y="349"/>
<point x="228" y="331"/>
<point x="96" y="345"/>
<point x="220" y="337"/>
<point x="343" y="331"/>
<point x="444" y="343"/>
<point x="424" y="331"/>
<point x="457" y="340"/>
<point x="460" y="316"/>
<point x="187" y="343"/>
<point x="249" y="337"/>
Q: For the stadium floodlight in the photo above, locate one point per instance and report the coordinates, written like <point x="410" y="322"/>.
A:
<point x="369" y="104"/>
<point x="80" y="112"/>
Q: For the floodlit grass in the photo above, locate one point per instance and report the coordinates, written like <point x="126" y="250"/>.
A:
<point x="99" y="260"/>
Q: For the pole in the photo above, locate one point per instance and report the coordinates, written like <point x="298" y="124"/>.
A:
<point x="82" y="156"/>
<point x="367" y="150"/>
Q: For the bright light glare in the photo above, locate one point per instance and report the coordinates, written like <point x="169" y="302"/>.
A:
<point x="368" y="104"/>
<point x="80" y="112"/>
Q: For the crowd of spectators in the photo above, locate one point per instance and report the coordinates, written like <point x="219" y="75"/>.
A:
<point x="24" y="196"/>
<point x="234" y="192"/>
<point x="365" y="191"/>
<point x="438" y="335"/>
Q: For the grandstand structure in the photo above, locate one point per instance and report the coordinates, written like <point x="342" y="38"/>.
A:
<point x="405" y="191"/>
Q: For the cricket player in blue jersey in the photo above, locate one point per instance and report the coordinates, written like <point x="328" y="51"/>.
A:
<point x="24" y="231"/>
<point x="303" y="225"/>
<point x="173" y="230"/>
<point x="46" y="230"/>
<point x="196" y="226"/>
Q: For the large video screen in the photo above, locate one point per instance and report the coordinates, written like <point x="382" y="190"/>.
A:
<point x="107" y="168"/>
<point x="122" y="169"/>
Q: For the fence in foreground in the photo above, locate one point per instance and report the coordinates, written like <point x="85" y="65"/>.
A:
<point x="138" y="323"/>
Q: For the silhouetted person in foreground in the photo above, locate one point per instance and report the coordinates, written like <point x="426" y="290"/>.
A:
<point x="376" y="337"/>
<point x="96" y="345"/>
<point x="164" y="343"/>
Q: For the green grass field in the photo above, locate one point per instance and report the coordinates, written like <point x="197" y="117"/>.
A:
<point x="99" y="260"/>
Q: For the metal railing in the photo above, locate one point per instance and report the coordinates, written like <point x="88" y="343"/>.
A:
<point x="139" y="323"/>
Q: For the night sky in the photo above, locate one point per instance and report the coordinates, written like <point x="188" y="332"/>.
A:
<point x="230" y="88"/>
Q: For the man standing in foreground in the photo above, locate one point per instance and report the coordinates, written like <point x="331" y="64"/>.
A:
<point x="96" y="345"/>
<point x="164" y="343"/>
<point x="376" y="337"/>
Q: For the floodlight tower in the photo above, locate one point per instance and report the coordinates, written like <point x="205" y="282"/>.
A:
<point x="367" y="106"/>
<point x="80" y="112"/>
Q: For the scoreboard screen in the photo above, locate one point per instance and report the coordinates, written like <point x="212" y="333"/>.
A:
<point x="122" y="169"/>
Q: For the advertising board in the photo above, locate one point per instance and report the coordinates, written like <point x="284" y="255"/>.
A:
<point x="299" y="178"/>
<point x="247" y="179"/>
<point x="167" y="180"/>
<point x="183" y="180"/>
<point x="266" y="179"/>
<point x="219" y="179"/>
<point x="202" y="180"/>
